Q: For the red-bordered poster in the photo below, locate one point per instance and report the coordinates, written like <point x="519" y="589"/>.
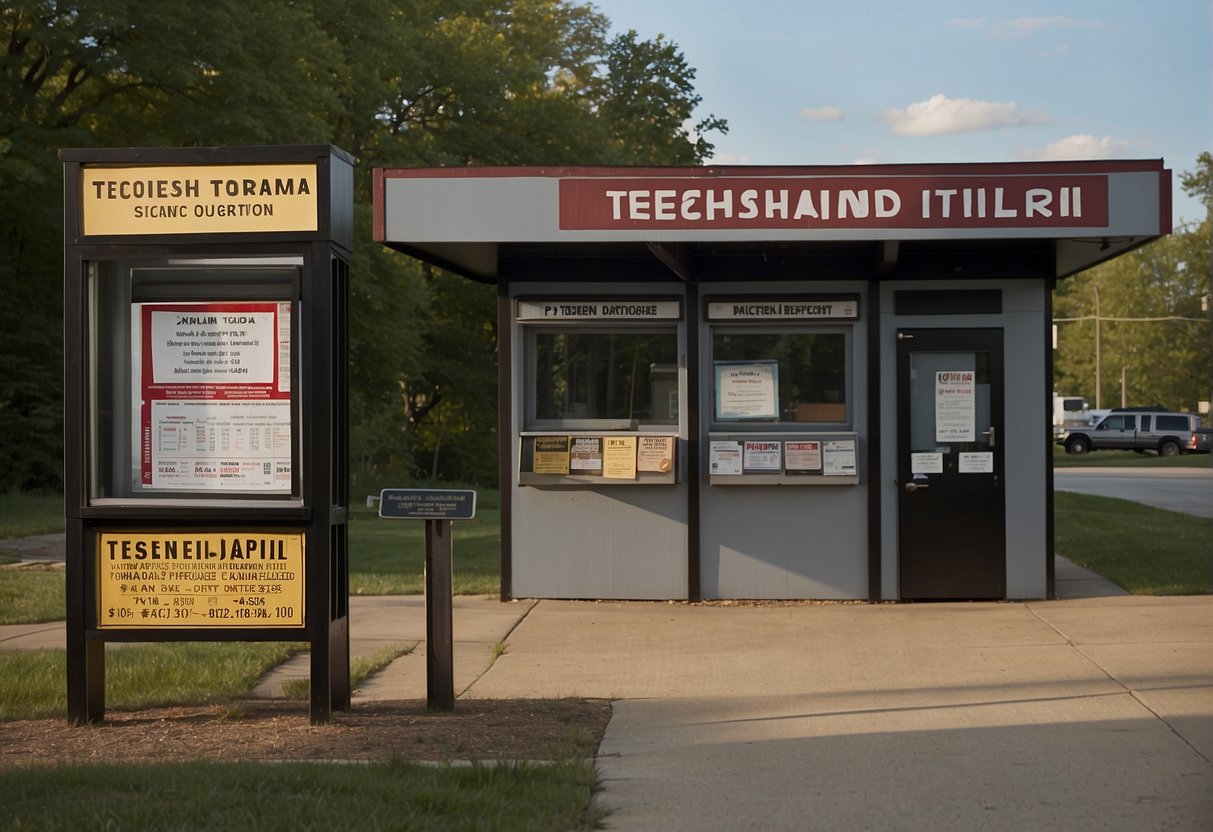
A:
<point x="215" y="385"/>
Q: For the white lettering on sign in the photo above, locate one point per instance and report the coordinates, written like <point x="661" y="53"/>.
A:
<point x="791" y="202"/>
<point x="752" y="203"/>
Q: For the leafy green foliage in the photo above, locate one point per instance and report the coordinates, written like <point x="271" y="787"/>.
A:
<point x="1152" y="326"/>
<point x="396" y="83"/>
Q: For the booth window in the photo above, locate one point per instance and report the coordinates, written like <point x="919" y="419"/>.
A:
<point x="612" y="379"/>
<point x="793" y="376"/>
<point x="192" y="371"/>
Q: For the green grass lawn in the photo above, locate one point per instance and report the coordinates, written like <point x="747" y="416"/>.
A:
<point x="387" y="557"/>
<point x="1144" y="550"/>
<point x="140" y="675"/>
<point x="1127" y="459"/>
<point x="298" y="796"/>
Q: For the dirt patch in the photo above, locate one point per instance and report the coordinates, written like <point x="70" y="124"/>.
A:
<point x="495" y="729"/>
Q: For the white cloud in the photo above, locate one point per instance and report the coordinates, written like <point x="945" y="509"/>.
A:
<point x="1086" y="146"/>
<point x="1022" y="27"/>
<point x="822" y="113"/>
<point x="940" y="115"/>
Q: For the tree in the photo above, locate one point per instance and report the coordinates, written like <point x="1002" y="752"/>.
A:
<point x="1199" y="183"/>
<point x="1151" y="325"/>
<point x="396" y="82"/>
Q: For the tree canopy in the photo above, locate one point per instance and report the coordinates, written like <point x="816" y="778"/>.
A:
<point x="396" y="83"/>
<point x="1151" y="326"/>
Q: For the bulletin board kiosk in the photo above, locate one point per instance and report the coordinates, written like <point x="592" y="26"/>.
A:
<point x="778" y="382"/>
<point x="206" y="346"/>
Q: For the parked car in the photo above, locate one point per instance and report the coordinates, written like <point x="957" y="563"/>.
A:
<point x="1141" y="429"/>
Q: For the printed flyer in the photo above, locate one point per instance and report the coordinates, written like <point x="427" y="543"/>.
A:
<point x="215" y="396"/>
<point x="619" y="457"/>
<point x="955" y="408"/>
<point x="551" y="455"/>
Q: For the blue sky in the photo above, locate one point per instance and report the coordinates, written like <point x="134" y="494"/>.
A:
<point x="861" y="81"/>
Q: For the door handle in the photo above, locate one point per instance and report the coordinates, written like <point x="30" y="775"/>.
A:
<point x="989" y="433"/>
<point x="914" y="486"/>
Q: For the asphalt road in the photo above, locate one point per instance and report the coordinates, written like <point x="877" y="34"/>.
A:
<point x="1189" y="490"/>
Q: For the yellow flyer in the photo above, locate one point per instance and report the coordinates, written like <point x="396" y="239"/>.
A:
<point x="619" y="457"/>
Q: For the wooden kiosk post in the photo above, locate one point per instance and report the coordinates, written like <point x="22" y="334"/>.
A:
<point x="206" y="403"/>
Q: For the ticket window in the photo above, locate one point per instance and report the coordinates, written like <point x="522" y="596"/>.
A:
<point x="787" y="377"/>
<point x="781" y="376"/>
<point x="601" y="377"/>
<point x="192" y="373"/>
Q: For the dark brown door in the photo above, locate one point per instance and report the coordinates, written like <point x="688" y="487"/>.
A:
<point x="951" y="510"/>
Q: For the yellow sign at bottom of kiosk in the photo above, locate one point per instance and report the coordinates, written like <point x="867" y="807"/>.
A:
<point x="217" y="579"/>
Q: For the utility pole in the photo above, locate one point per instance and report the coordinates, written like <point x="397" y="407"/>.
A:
<point x="1098" y="359"/>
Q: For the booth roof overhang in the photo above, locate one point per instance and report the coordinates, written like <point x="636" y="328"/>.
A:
<point x="995" y="220"/>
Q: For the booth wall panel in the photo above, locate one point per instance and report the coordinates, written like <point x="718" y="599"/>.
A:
<point x="785" y="542"/>
<point x="788" y="541"/>
<point x="617" y="542"/>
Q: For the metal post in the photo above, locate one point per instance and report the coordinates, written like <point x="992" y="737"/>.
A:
<point x="439" y="641"/>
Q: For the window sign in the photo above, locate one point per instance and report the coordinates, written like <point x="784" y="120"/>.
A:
<point x="955" y="408"/>
<point x="655" y="454"/>
<point x="803" y="457"/>
<point x="838" y="458"/>
<point x="811" y="376"/>
<point x="551" y="455"/>
<point x="619" y="457"/>
<point x="762" y="455"/>
<point x="747" y="390"/>
<point x="214" y="396"/>
<point x="725" y="457"/>
<point x="585" y="456"/>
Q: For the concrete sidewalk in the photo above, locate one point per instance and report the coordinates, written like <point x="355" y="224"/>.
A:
<point x="1089" y="712"/>
<point x="1085" y="714"/>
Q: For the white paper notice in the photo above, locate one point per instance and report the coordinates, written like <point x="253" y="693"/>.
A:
<point x="981" y="462"/>
<point x="838" y="458"/>
<point x="221" y="444"/>
<point x="926" y="463"/>
<point x="747" y="391"/>
<point x="762" y="456"/>
<point x="802" y="457"/>
<point x="725" y="457"/>
<point x="214" y="396"/>
<point x="955" y="412"/>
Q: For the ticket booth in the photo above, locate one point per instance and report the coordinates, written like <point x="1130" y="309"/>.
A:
<point x="205" y="394"/>
<point x="775" y="383"/>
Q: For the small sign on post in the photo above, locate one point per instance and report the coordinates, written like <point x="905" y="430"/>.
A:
<point x="427" y="504"/>
<point x="438" y="507"/>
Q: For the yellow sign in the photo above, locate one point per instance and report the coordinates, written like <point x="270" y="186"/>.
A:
<point x="177" y="579"/>
<point x="215" y="199"/>
<point x="619" y="457"/>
